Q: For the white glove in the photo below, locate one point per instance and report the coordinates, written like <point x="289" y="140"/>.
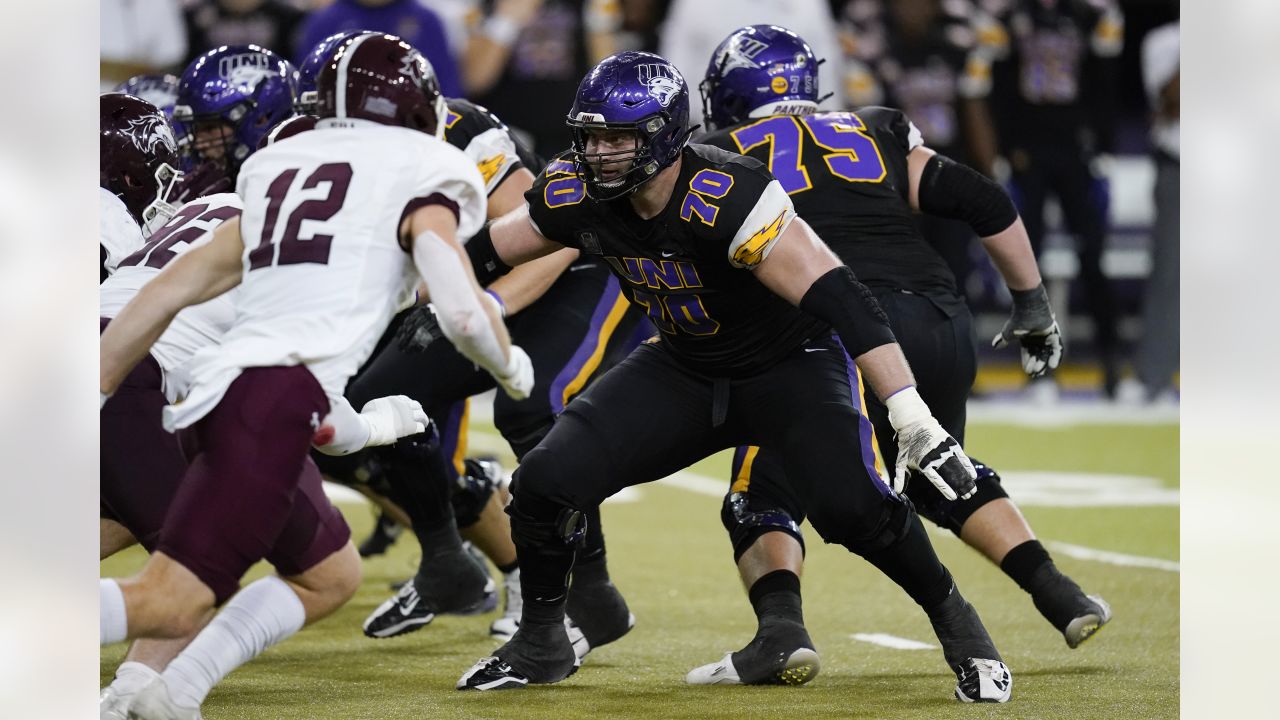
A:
<point x="391" y="418"/>
<point x="517" y="378"/>
<point x="925" y="447"/>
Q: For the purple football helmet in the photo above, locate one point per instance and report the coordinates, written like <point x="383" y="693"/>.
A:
<point x="630" y="91"/>
<point x="137" y="157"/>
<point x="382" y="79"/>
<point x="159" y="90"/>
<point x="759" y="70"/>
<point x="228" y="100"/>
<point x="310" y="68"/>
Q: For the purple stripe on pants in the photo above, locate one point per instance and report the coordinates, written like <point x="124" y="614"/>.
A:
<point x="587" y="347"/>
<point x="865" y="437"/>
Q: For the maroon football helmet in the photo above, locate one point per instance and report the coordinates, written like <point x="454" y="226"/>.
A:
<point x="295" y="125"/>
<point x="383" y="79"/>
<point x="138" y="157"/>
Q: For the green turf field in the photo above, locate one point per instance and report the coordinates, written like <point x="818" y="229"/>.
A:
<point x="671" y="558"/>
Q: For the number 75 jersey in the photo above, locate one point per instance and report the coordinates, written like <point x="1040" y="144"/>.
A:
<point x="324" y="271"/>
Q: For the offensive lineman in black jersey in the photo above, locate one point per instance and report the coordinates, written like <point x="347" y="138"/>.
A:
<point x="570" y="315"/>
<point x="857" y="177"/>
<point x="707" y="242"/>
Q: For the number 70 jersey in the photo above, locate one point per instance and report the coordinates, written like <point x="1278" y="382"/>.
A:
<point x="324" y="271"/>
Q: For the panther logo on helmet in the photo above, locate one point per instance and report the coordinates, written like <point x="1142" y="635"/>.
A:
<point x="741" y="54"/>
<point x="151" y="132"/>
<point x="658" y="79"/>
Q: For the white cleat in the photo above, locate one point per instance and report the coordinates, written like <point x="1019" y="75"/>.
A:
<point x="153" y="703"/>
<point x="987" y="681"/>
<point x="716" y="673"/>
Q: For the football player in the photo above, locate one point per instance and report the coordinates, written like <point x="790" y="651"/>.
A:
<point x="858" y="178"/>
<point x="137" y="172"/>
<point x="746" y="298"/>
<point x="338" y="226"/>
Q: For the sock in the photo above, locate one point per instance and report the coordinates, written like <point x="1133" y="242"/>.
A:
<point x="509" y="568"/>
<point x="544" y="583"/>
<point x="1022" y="562"/>
<point x="259" y="616"/>
<point x="912" y="563"/>
<point x="132" y="676"/>
<point x="777" y="595"/>
<point x="113" y="623"/>
<point x="416" y="469"/>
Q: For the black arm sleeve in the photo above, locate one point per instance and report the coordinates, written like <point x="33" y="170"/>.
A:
<point x="848" y="306"/>
<point x="951" y="190"/>
<point x="484" y="258"/>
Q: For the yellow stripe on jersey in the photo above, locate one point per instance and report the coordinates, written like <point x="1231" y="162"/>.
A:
<point x="875" y="446"/>
<point x="751" y="252"/>
<point x="742" y="481"/>
<point x="460" y="450"/>
<point x="602" y="341"/>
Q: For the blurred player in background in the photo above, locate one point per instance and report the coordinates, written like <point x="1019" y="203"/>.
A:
<point x="1054" y="100"/>
<point x="159" y="90"/>
<point x="858" y="178"/>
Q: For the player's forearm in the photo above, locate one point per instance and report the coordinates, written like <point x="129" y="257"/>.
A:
<point x="521" y="287"/>
<point x="1010" y="250"/>
<point x="885" y="369"/>
<point x="470" y="322"/>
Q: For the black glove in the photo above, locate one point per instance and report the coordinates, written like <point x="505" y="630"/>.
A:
<point x="1033" y="325"/>
<point x="419" y="329"/>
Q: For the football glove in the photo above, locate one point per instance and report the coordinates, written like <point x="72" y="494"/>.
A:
<point x="517" y="378"/>
<point x="393" y="417"/>
<point x="925" y="447"/>
<point x="1035" y="328"/>
<point x="419" y="329"/>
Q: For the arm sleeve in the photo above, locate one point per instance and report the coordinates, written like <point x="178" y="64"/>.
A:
<point x="951" y="190"/>
<point x="849" y="307"/>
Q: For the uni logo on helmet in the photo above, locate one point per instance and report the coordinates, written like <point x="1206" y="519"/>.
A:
<point x="250" y="67"/>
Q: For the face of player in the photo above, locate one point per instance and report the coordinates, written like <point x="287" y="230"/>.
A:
<point x="212" y="139"/>
<point x="611" y="152"/>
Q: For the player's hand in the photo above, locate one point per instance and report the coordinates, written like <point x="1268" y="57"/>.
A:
<point x="517" y="378"/>
<point x="393" y="417"/>
<point x="924" y="446"/>
<point x="207" y="179"/>
<point x="1034" y="327"/>
<point x="419" y="329"/>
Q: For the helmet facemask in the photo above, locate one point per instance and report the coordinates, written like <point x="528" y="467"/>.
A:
<point x="598" y="170"/>
<point x="160" y="210"/>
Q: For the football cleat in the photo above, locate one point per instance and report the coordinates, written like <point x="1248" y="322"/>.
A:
<point x="384" y="534"/>
<point x="600" y="610"/>
<point x="504" y="627"/>
<point x="798" y="668"/>
<point x="1085" y="626"/>
<point x="491" y="673"/>
<point x="153" y="703"/>
<point x="987" y="681"/>
<point x="402" y="613"/>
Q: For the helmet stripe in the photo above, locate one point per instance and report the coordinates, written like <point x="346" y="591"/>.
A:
<point x="343" y="62"/>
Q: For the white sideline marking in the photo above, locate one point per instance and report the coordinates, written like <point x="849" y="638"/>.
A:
<point x="892" y="641"/>
<point x="1080" y="552"/>
<point x="1070" y="413"/>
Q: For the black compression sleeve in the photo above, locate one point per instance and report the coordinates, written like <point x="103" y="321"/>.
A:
<point x="484" y="258"/>
<point x="951" y="190"/>
<point x="849" y="307"/>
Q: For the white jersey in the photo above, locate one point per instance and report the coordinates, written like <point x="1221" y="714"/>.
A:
<point x="324" y="271"/>
<point x="119" y="234"/>
<point x="195" y="327"/>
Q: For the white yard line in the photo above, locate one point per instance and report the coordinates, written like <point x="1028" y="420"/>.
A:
<point x="892" y="641"/>
<point x="1080" y="552"/>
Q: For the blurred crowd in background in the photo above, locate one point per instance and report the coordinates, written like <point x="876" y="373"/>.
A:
<point x="1072" y="104"/>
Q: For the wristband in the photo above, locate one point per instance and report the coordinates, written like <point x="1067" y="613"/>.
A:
<point x="502" y="307"/>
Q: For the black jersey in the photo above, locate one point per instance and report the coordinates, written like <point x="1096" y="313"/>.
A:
<point x="689" y="266"/>
<point x="846" y="172"/>
<point x="487" y="141"/>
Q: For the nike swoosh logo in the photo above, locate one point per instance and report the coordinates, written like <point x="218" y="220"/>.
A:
<point x="408" y="607"/>
<point x="668" y="254"/>
<point x="815" y="349"/>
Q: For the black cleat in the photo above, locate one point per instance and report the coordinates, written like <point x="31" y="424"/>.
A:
<point x="456" y="585"/>
<point x="600" y="611"/>
<point x="1091" y="616"/>
<point x="781" y="653"/>
<point x="491" y="673"/>
<point x="540" y="654"/>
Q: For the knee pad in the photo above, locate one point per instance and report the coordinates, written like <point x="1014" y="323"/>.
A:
<point x="889" y="526"/>
<point x="474" y="489"/>
<point x="566" y="528"/>
<point x="952" y="514"/>
<point x="747" y="521"/>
